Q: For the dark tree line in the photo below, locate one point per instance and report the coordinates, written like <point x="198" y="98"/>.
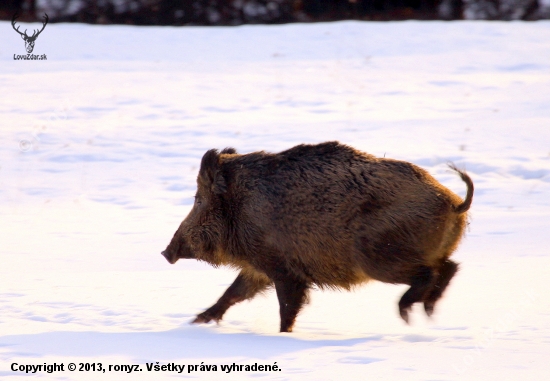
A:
<point x="237" y="12"/>
<point x="9" y="7"/>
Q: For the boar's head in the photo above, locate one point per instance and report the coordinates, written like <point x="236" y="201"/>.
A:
<point x="199" y="235"/>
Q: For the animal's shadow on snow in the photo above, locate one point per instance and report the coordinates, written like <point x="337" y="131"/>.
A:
<point x="188" y="342"/>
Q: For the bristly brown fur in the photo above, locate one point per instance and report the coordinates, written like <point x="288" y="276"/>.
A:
<point x="322" y="215"/>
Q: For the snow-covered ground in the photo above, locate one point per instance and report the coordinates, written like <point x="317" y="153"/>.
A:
<point x="99" y="150"/>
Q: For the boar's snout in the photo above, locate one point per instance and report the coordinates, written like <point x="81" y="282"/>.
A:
<point x="169" y="258"/>
<point x="177" y="249"/>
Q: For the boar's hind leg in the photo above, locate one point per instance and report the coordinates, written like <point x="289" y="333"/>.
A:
<point x="446" y="272"/>
<point x="292" y="295"/>
<point x="421" y="282"/>
<point x="244" y="287"/>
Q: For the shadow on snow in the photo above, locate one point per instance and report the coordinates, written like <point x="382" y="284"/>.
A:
<point x="187" y="342"/>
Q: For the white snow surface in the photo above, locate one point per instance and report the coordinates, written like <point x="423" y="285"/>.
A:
<point x="99" y="152"/>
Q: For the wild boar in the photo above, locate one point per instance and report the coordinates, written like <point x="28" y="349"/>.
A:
<point x="324" y="215"/>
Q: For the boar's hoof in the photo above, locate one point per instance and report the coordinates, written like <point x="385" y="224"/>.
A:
<point x="429" y="308"/>
<point x="205" y="317"/>
<point x="404" y="312"/>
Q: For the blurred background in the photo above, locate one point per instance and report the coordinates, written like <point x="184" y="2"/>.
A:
<point x="238" y="12"/>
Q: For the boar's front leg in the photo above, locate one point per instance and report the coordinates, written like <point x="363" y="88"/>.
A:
<point x="247" y="284"/>
<point x="292" y="295"/>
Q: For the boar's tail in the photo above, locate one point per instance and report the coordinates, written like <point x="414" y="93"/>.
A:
<point x="469" y="194"/>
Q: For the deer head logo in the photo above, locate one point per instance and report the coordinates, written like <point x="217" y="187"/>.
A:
<point x="29" y="40"/>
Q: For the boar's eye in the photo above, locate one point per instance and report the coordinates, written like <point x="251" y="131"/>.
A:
<point x="198" y="201"/>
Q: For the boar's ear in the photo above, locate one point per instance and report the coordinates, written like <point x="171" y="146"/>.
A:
<point x="210" y="172"/>
<point x="229" y="150"/>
